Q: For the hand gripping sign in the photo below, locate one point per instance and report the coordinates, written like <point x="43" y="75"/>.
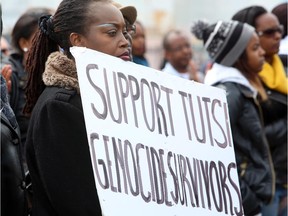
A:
<point x="159" y="144"/>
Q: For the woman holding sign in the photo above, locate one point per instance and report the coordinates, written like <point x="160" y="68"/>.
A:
<point x="238" y="58"/>
<point x="57" y="147"/>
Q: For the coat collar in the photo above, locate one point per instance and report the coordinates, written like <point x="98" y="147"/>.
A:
<point x="60" y="71"/>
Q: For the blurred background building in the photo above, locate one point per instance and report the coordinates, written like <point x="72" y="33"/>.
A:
<point x="158" y="16"/>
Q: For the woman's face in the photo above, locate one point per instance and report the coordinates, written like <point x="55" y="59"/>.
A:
<point x="107" y="33"/>
<point x="138" y="42"/>
<point x="269" y="31"/>
<point x="180" y="52"/>
<point x="255" y="54"/>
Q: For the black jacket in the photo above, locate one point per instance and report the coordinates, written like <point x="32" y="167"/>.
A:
<point x="275" y="119"/>
<point x="13" y="194"/>
<point x="254" y="163"/>
<point x="17" y="94"/>
<point x="58" y="157"/>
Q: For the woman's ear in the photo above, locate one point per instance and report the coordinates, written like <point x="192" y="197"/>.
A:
<point x="77" y="39"/>
<point x="24" y="44"/>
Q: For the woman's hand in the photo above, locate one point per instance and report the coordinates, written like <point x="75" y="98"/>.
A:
<point x="6" y="73"/>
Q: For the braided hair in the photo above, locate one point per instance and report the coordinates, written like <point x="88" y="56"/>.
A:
<point x="53" y="33"/>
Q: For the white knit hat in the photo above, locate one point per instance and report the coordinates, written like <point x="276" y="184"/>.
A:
<point x="224" y="41"/>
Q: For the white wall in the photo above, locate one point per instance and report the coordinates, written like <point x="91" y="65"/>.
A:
<point x="160" y="13"/>
<point x="157" y="15"/>
<point x="12" y="10"/>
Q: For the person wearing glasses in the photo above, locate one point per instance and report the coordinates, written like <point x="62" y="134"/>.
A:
<point x="274" y="110"/>
<point x="281" y="11"/>
<point x="129" y="14"/>
<point x="5" y="47"/>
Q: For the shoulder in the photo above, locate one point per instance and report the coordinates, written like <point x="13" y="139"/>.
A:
<point x="59" y="94"/>
<point x="230" y="88"/>
<point x="56" y="106"/>
<point x="236" y="89"/>
<point x="235" y="95"/>
<point x="53" y="98"/>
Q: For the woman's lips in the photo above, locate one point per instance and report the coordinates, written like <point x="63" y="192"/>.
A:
<point x="125" y="56"/>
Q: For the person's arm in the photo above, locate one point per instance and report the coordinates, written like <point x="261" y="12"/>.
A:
<point x="13" y="200"/>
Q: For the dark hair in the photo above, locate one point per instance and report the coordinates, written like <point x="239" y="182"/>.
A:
<point x="26" y="26"/>
<point x="249" y="14"/>
<point x="70" y="16"/>
<point x="241" y="65"/>
<point x="281" y="12"/>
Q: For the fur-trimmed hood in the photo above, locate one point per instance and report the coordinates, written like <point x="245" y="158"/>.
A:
<point x="60" y="71"/>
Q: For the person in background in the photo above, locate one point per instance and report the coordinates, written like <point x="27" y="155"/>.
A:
<point x="178" y="56"/>
<point x="13" y="193"/>
<point x="274" y="110"/>
<point x="58" y="153"/>
<point x="5" y="46"/>
<point x="280" y="11"/>
<point x="5" y="67"/>
<point x="139" y="45"/>
<point x="237" y="59"/>
<point x="129" y="14"/>
<point x="21" y="41"/>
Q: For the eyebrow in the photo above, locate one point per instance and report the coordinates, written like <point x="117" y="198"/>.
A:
<point x="108" y="25"/>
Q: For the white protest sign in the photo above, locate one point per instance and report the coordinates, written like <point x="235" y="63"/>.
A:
<point x="159" y="144"/>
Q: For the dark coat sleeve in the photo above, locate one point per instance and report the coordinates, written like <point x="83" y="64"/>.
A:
<point x="277" y="131"/>
<point x="13" y="199"/>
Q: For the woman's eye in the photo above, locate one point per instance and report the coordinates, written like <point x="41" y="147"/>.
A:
<point x="125" y="32"/>
<point x="256" y="46"/>
<point x="112" y="32"/>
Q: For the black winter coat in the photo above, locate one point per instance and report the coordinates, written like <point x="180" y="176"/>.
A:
<point x="58" y="157"/>
<point x="275" y="120"/>
<point x="254" y="163"/>
<point x="13" y="194"/>
<point x="17" y="94"/>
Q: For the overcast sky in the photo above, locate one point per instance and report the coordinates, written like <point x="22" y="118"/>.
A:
<point x="162" y="13"/>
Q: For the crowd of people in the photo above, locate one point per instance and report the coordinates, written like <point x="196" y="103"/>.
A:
<point x="42" y="114"/>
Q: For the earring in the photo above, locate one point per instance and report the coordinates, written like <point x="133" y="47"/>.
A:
<point x="25" y="49"/>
